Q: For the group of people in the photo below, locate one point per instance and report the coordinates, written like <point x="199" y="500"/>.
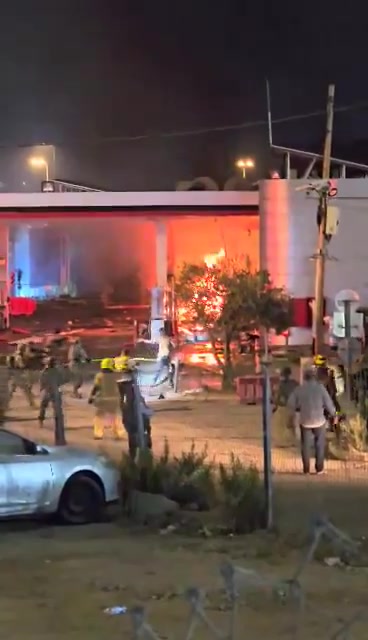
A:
<point x="31" y="363"/>
<point x="115" y="394"/>
<point x="29" y="359"/>
<point x="316" y="404"/>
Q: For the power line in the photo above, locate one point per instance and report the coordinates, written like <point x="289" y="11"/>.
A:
<point x="233" y="127"/>
<point x="193" y="132"/>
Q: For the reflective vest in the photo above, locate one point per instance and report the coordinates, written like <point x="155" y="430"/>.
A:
<point x="122" y="363"/>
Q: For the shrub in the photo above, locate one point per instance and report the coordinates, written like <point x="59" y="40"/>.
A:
<point x="353" y="433"/>
<point x="196" y="471"/>
<point x="190" y="479"/>
<point x="243" y="502"/>
<point x="147" y="473"/>
<point x="186" y="479"/>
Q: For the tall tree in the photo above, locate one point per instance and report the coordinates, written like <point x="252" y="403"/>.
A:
<point x="227" y="298"/>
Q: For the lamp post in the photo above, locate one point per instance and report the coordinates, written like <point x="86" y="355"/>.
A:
<point x="38" y="162"/>
<point x="243" y="164"/>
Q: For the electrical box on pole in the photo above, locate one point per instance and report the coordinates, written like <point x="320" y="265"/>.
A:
<point x="332" y="220"/>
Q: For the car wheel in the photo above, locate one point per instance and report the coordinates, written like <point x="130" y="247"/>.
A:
<point x="82" y="501"/>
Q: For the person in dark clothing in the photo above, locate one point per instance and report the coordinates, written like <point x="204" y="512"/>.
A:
<point x="283" y="425"/>
<point x="124" y="366"/>
<point x="130" y="418"/>
<point x="326" y="376"/>
<point x="51" y="380"/>
<point x="285" y="389"/>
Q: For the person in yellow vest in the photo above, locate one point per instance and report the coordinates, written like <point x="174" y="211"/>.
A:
<point x="105" y="397"/>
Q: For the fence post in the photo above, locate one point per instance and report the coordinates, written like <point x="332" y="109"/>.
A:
<point x="176" y="375"/>
<point x="266" y="424"/>
<point x="138" y="411"/>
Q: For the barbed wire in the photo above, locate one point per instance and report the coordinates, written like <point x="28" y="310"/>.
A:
<point x="240" y="580"/>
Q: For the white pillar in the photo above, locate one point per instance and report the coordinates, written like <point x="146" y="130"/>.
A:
<point x="158" y="293"/>
<point x="65" y="264"/>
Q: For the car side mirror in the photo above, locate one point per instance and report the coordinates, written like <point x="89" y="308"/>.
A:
<point x="40" y="450"/>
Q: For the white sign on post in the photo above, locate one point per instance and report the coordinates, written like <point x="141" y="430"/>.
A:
<point x="356" y="324"/>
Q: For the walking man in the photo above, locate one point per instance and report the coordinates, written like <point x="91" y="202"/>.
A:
<point x="77" y="357"/>
<point x="51" y="380"/>
<point x="163" y="356"/>
<point x="312" y="400"/>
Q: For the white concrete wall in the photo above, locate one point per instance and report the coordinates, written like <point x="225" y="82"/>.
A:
<point x="288" y="238"/>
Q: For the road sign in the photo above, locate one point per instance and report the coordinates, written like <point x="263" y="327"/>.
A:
<point x="343" y="351"/>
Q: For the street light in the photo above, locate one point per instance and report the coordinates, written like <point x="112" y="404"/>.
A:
<point x="243" y="164"/>
<point x="37" y="162"/>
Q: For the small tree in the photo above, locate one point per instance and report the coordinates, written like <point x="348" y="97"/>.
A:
<point x="228" y="298"/>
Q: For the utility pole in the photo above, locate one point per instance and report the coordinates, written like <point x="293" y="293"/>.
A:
<point x="322" y="217"/>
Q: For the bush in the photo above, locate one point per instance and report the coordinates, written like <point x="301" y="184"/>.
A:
<point x="147" y="473"/>
<point x="191" y="479"/>
<point x="188" y="479"/>
<point x="353" y="433"/>
<point x="243" y="502"/>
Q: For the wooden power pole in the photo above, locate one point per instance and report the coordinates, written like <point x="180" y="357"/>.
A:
<point x="322" y="216"/>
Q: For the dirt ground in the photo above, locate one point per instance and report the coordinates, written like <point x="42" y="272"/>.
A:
<point x="56" y="581"/>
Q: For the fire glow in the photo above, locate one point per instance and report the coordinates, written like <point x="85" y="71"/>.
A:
<point x="205" y="290"/>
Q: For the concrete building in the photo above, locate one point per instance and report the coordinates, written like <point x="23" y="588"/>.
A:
<point x="276" y="227"/>
<point x="288" y="240"/>
<point x="161" y="229"/>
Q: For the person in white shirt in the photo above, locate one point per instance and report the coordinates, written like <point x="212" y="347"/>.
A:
<point x="312" y="401"/>
<point x="163" y="356"/>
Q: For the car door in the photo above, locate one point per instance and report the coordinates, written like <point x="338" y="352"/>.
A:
<point x="4" y="505"/>
<point x="27" y="474"/>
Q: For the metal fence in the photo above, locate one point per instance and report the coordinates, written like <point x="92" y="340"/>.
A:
<point x="288" y="592"/>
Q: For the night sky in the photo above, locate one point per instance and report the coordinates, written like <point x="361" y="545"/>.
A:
<point x="85" y="75"/>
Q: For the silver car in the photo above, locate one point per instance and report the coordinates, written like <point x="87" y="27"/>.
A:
<point x="39" y="480"/>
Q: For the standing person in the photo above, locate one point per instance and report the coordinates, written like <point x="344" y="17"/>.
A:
<point x="163" y="356"/>
<point x="77" y="357"/>
<point x="130" y="419"/>
<point x="4" y="388"/>
<point x="51" y="380"/>
<point x="330" y="378"/>
<point x="311" y="400"/>
<point x="124" y="365"/>
<point x="243" y="342"/>
<point x="286" y="387"/>
<point x="105" y="396"/>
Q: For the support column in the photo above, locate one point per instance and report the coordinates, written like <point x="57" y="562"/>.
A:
<point x="4" y="275"/>
<point x="65" y="264"/>
<point x="21" y="259"/>
<point x="161" y="254"/>
<point x="158" y="293"/>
